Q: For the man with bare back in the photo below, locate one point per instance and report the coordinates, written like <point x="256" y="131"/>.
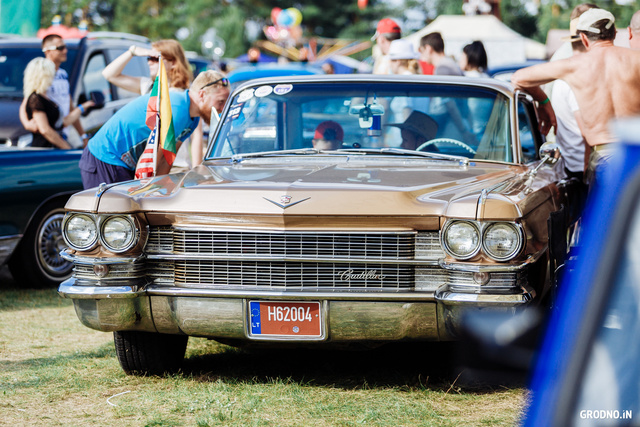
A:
<point x="604" y="80"/>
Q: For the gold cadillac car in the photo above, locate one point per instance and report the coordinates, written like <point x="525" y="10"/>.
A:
<point x="328" y="210"/>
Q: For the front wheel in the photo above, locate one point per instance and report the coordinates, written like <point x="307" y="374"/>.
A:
<point x="36" y="261"/>
<point x="147" y="353"/>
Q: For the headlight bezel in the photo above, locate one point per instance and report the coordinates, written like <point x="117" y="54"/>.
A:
<point x="445" y="245"/>
<point x="65" y="223"/>
<point x="99" y="222"/>
<point x="482" y="227"/>
<point x="135" y="232"/>
<point x="518" y="231"/>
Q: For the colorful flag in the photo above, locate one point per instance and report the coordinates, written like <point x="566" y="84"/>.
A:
<point x="160" y="121"/>
<point x="167" y="135"/>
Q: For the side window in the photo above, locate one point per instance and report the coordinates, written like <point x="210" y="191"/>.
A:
<point x="92" y="79"/>
<point x="136" y="67"/>
<point x="527" y="128"/>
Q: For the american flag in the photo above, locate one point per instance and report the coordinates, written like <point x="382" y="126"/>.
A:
<point x="146" y="167"/>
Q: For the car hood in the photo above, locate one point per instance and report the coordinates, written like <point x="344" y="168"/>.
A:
<point x="335" y="187"/>
<point x="10" y="126"/>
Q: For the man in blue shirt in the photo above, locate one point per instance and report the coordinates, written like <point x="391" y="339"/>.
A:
<point x="113" y="152"/>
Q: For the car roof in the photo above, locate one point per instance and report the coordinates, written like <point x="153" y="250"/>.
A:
<point x="488" y="83"/>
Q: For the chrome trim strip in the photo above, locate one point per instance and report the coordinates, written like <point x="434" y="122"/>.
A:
<point x="467" y="267"/>
<point x="68" y="289"/>
<point x="80" y="259"/>
<point x="205" y="227"/>
<point x="448" y="297"/>
<point x="203" y="256"/>
<point x="157" y="290"/>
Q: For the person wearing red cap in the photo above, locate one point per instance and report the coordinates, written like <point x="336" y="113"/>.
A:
<point x="387" y="31"/>
<point x="328" y="136"/>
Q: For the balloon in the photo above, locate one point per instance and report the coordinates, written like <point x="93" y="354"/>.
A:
<point x="271" y="32"/>
<point x="362" y="4"/>
<point x="285" y="19"/>
<point x="296" y="15"/>
<point x="274" y="14"/>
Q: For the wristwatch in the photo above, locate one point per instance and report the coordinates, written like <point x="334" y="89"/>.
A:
<point x="132" y="50"/>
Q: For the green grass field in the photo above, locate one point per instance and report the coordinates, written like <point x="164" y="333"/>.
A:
<point x="54" y="371"/>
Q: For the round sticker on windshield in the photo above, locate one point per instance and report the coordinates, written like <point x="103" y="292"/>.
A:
<point x="282" y="89"/>
<point x="245" y="95"/>
<point x="263" y="91"/>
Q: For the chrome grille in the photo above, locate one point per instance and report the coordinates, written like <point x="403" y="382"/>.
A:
<point x="116" y="271"/>
<point x="463" y="281"/>
<point x="283" y="275"/>
<point x="428" y="246"/>
<point x="369" y="246"/>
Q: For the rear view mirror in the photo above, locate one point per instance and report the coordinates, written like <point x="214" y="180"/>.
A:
<point x="366" y="113"/>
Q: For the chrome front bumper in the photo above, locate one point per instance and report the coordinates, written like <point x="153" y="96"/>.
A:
<point x="222" y="314"/>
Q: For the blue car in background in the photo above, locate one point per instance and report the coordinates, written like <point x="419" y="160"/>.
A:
<point x="588" y="369"/>
<point x="35" y="184"/>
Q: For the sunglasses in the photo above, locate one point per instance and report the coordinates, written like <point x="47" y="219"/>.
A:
<point x="223" y="82"/>
<point x="152" y="58"/>
<point x="58" y="48"/>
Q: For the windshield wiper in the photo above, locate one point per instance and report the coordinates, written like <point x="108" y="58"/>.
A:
<point x="390" y="150"/>
<point x="240" y="157"/>
<point x="386" y="150"/>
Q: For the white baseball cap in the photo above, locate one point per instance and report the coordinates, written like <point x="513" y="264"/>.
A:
<point x="590" y="17"/>
<point x="402" y="49"/>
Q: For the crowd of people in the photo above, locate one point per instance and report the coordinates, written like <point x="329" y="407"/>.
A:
<point x="591" y="87"/>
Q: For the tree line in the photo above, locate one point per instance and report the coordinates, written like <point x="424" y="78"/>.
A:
<point x="240" y="22"/>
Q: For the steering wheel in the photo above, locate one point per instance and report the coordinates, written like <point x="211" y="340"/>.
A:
<point x="446" y="140"/>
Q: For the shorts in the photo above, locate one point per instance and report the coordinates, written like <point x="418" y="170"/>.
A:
<point x="94" y="172"/>
<point x="598" y="160"/>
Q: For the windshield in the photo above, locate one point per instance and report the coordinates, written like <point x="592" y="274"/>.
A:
<point x="13" y="62"/>
<point x="446" y="119"/>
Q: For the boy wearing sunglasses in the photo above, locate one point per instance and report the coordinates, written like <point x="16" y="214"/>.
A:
<point x="113" y="152"/>
<point x="54" y="49"/>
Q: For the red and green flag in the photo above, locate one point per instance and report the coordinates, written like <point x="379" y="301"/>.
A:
<point x="160" y="121"/>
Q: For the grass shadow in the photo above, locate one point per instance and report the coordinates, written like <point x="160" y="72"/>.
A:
<point x="59" y="360"/>
<point x="401" y="365"/>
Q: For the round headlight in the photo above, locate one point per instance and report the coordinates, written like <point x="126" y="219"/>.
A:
<point x="502" y="241"/>
<point x="80" y="232"/>
<point x="462" y="239"/>
<point x="118" y="233"/>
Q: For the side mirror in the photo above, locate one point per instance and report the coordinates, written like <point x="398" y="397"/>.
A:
<point x="549" y="153"/>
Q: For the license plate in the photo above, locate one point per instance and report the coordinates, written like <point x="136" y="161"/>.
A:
<point x="285" y="319"/>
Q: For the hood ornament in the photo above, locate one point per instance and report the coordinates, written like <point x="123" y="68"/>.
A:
<point x="285" y="201"/>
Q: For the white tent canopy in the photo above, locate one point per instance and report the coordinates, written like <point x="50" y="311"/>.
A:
<point x="503" y="45"/>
